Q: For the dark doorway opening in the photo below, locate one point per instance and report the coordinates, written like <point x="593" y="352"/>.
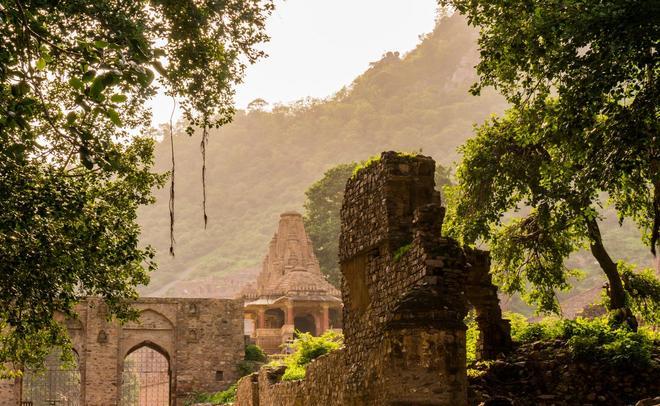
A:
<point x="305" y="324"/>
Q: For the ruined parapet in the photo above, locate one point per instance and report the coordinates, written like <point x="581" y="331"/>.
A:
<point x="402" y="288"/>
<point x="494" y="331"/>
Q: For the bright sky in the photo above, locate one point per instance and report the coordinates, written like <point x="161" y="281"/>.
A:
<point x="319" y="46"/>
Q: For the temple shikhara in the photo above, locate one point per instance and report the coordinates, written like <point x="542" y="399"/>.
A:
<point x="290" y="292"/>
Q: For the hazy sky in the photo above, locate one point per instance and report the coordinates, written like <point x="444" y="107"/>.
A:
<point x="319" y="46"/>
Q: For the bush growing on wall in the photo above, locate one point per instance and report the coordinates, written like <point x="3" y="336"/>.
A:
<point x="254" y="353"/>
<point x="306" y="348"/>
<point x="595" y="339"/>
<point x="225" y="397"/>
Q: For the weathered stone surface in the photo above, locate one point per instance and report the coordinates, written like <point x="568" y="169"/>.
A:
<point x="201" y="338"/>
<point x="494" y="331"/>
<point x="544" y="373"/>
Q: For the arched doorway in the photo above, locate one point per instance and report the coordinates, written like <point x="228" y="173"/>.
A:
<point x="58" y="384"/>
<point x="274" y="318"/>
<point x="305" y="324"/>
<point x="146" y="377"/>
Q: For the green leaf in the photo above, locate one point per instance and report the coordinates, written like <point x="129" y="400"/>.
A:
<point x="100" y="44"/>
<point x="76" y="83"/>
<point x="98" y="85"/>
<point x="89" y="75"/>
<point x="118" y="98"/>
<point x="41" y="64"/>
<point x="114" y="117"/>
<point x="71" y="117"/>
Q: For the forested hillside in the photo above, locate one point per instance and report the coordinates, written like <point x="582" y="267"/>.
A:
<point x="260" y="165"/>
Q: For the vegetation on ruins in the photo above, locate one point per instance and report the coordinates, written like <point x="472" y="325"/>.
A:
<point x="582" y="79"/>
<point x="74" y="78"/>
<point x="586" y="339"/>
<point x="225" y="397"/>
<point x="254" y="358"/>
<point x="307" y="348"/>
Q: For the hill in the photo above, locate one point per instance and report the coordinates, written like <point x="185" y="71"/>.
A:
<point x="260" y="164"/>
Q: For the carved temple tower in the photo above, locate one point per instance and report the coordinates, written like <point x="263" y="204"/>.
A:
<point x="290" y="292"/>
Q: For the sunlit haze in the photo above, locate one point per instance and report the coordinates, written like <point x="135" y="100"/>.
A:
<point x="319" y="46"/>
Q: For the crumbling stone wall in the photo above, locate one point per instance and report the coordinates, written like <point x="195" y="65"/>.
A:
<point x="404" y="302"/>
<point x="494" y="331"/>
<point x="201" y="338"/>
<point x="404" y="330"/>
<point x="323" y="385"/>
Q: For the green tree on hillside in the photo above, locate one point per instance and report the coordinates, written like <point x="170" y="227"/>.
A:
<point x="74" y="78"/>
<point x="322" y="223"/>
<point x="582" y="79"/>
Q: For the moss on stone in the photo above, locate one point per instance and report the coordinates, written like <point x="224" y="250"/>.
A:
<point x="376" y="158"/>
<point x="401" y="252"/>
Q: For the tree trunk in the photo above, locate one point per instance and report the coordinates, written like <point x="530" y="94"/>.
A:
<point x="616" y="292"/>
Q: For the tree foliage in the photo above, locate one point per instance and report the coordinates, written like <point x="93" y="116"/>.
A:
<point x="322" y="222"/>
<point x="582" y="79"/>
<point x="74" y="78"/>
<point x="642" y="291"/>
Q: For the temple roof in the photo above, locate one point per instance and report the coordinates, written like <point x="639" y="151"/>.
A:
<point x="290" y="268"/>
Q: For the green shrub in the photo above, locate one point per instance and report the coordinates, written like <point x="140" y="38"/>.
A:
<point x="254" y="353"/>
<point x="307" y="348"/>
<point x="219" y="398"/>
<point x="642" y="291"/>
<point x="595" y="339"/>
<point x="247" y="367"/>
<point x="294" y="372"/>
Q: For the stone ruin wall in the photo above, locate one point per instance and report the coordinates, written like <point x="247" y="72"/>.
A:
<point x="201" y="338"/>
<point x="403" y="291"/>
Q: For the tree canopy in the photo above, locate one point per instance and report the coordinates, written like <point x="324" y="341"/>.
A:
<point x="582" y="80"/>
<point x="322" y="221"/>
<point x="74" y="78"/>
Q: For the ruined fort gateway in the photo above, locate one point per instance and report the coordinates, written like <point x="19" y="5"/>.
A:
<point x="199" y="343"/>
<point x="404" y="293"/>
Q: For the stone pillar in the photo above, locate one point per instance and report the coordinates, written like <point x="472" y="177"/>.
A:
<point x="494" y="331"/>
<point x="289" y="314"/>
<point x="325" y="318"/>
<point x="261" y="316"/>
<point x="102" y="373"/>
